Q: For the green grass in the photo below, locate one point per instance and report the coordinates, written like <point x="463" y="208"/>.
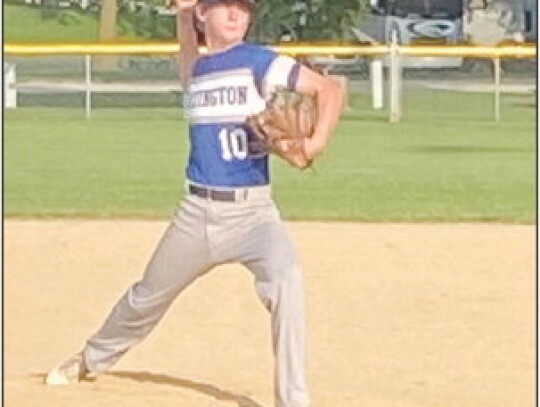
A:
<point x="447" y="161"/>
<point x="23" y="23"/>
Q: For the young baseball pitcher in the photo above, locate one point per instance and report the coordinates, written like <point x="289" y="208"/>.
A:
<point x="227" y="214"/>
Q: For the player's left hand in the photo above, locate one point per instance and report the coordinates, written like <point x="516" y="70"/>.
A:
<point x="293" y="152"/>
<point x="286" y="125"/>
<point x="314" y="146"/>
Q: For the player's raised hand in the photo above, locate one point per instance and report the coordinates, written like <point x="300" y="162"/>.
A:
<point x="185" y="4"/>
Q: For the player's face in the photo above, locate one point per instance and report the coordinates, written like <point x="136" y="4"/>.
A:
<point x="226" y="23"/>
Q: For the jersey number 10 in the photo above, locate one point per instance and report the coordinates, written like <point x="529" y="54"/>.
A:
<point x="234" y="144"/>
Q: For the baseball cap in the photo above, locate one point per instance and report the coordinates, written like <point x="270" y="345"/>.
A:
<point x="249" y="3"/>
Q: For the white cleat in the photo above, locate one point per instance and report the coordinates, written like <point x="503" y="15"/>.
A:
<point x="71" y="371"/>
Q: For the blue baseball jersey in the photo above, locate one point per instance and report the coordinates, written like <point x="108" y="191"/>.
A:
<point x="227" y="87"/>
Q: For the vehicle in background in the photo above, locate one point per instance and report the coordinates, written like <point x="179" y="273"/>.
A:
<point x="444" y="22"/>
<point x="414" y="22"/>
<point x="531" y="20"/>
<point x="491" y="22"/>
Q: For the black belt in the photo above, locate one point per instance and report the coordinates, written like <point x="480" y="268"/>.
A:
<point x="213" y="194"/>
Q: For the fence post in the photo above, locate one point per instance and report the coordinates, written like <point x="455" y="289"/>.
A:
<point x="497" y="74"/>
<point x="88" y="82"/>
<point x="377" y="82"/>
<point x="10" y="91"/>
<point x="395" y="80"/>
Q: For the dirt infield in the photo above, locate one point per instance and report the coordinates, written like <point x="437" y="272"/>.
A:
<point x="399" y="315"/>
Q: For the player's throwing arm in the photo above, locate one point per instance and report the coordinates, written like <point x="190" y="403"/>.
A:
<point x="187" y="37"/>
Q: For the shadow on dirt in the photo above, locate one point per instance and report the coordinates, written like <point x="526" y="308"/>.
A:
<point x="205" y="388"/>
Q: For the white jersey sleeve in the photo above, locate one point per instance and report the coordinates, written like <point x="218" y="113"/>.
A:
<point x="282" y="72"/>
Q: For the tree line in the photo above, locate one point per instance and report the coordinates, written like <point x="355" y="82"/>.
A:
<point x="274" y="20"/>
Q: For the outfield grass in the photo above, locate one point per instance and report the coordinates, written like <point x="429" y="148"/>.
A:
<point x="447" y="161"/>
<point x="23" y="23"/>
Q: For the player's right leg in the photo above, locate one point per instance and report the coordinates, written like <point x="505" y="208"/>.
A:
<point x="181" y="256"/>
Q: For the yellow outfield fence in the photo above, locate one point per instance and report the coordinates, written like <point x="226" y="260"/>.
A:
<point x="392" y="56"/>
<point x="506" y="51"/>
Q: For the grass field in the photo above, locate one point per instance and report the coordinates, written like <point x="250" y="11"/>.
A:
<point x="447" y="161"/>
<point x="24" y="23"/>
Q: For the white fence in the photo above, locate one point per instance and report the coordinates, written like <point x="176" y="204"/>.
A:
<point x="392" y="52"/>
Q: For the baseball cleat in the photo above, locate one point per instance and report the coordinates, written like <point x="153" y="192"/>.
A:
<point x="71" y="371"/>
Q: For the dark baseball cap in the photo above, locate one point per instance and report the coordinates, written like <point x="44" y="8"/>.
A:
<point x="249" y="3"/>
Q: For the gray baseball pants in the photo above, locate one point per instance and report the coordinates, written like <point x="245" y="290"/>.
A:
<point x="205" y="233"/>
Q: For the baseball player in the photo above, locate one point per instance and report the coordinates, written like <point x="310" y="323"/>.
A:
<point x="227" y="214"/>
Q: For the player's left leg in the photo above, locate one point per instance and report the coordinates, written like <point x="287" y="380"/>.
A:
<point x="271" y="256"/>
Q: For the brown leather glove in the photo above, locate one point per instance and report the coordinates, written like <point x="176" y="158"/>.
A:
<point x="289" y="118"/>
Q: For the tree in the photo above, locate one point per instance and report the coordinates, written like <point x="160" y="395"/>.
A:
<point x="107" y="32"/>
<point x="107" y="21"/>
<point x="304" y="20"/>
<point x="275" y="19"/>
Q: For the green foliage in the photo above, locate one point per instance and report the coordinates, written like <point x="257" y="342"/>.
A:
<point x="274" y="20"/>
<point x="145" y="23"/>
<point x="305" y="20"/>
<point x="326" y="19"/>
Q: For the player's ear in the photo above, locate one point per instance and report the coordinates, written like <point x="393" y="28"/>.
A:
<point x="200" y="10"/>
<point x="198" y="23"/>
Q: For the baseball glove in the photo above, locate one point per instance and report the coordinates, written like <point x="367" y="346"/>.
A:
<point x="289" y="118"/>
